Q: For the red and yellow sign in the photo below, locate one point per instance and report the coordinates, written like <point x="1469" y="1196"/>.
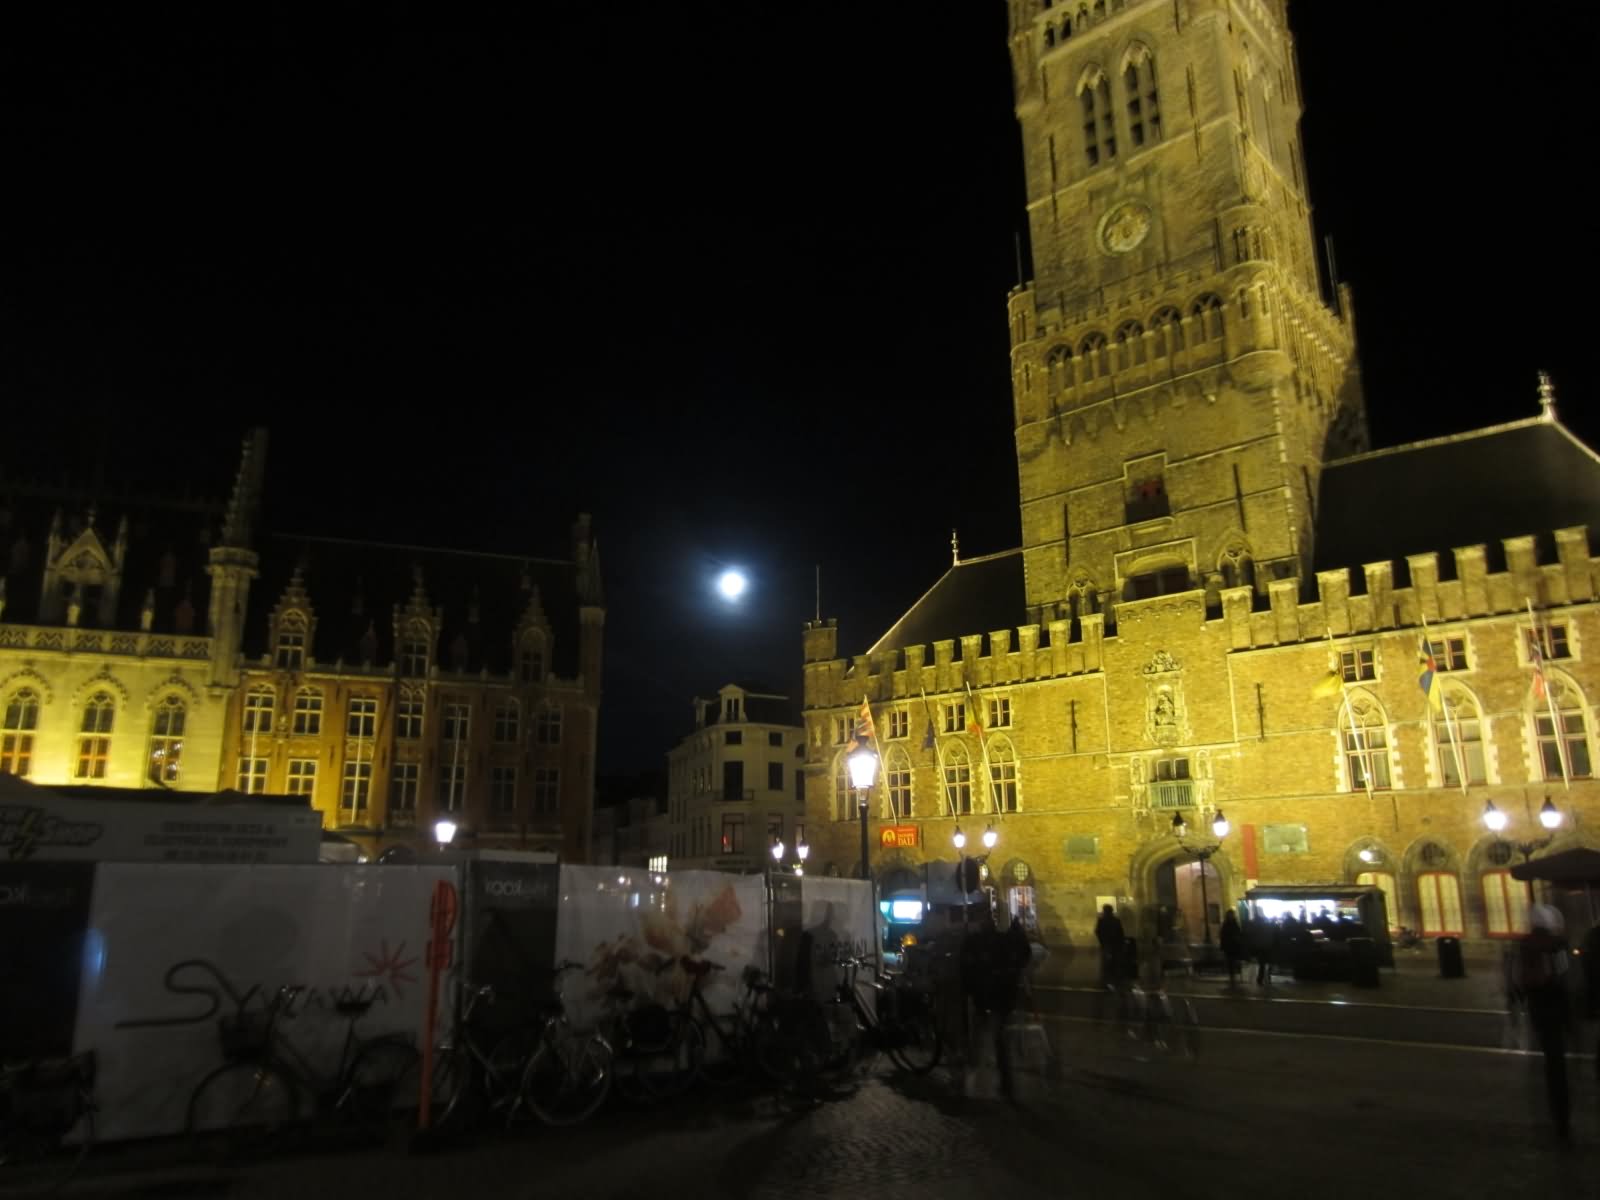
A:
<point x="897" y="835"/>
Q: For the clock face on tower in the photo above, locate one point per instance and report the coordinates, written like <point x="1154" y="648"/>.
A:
<point x="1124" y="227"/>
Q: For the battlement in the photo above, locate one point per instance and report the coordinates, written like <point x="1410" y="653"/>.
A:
<point x="1472" y="582"/>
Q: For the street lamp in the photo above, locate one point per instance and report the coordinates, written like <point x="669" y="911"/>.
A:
<point x="801" y="850"/>
<point x="863" y="770"/>
<point x="990" y="837"/>
<point x="444" y="831"/>
<point x="1219" y="829"/>
<point x="777" y="850"/>
<point x="1549" y="816"/>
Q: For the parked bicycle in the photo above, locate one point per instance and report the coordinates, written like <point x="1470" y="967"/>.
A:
<point x="244" y="1107"/>
<point x="659" y="1050"/>
<point x="46" y="1122"/>
<point x="476" y="1077"/>
<point x="569" y="1072"/>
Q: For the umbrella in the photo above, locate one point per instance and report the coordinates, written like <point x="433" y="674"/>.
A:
<point x="1571" y="867"/>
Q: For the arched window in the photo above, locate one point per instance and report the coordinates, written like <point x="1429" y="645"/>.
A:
<point x="1099" y="122"/>
<point x="897" y="784"/>
<point x="1058" y="365"/>
<point x="1384" y="882"/>
<point x="1099" y="10"/>
<point x="1366" y="744"/>
<point x="308" y="712"/>
<point x="166" y="741"/>
<point x="1095" y="356"/>
<point x="957" y="778"/>
<point x="1458" y="738"/>
<point x="1505" y="900"/>
<point x="1566" y="754"/>
<point x="1166" y="329"/>
<point x="291" y="647"/>
<point x="1139" y="92"/>
<point x="16" y="742"/>
<point x="1439" y="904"/>
<point x="258" y="704"/>
<point x="414" y="651"/>
<point x="94" y="736"/>
<point x="1049" y="37"/>
<point x="1130" y="343"/>
<point x="1083" y="15"/>
<point x="530" y="659"/>
<point x="843" y="800"/>
<point x="1002" y="776"/>
<point x="1207" y="314"/>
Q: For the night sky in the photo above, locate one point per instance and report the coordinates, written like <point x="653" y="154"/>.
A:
<point x="731" y="278"/>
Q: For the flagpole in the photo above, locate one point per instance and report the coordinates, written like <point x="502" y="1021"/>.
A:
<point x="938" y="756"/>
<point x="1360" y="736"/>
<point x="1550" y="701"/>
<point x="1449" y="724"/>
<point x="883" y="774"/>
<point x="983" y="745"/>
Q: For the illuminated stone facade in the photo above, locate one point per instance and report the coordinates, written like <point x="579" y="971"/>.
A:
<point x="171" y="644"/>
<point x="1205" y="533"/>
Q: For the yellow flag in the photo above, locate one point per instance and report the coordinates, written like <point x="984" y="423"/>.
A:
<point x="1328" y="685"/>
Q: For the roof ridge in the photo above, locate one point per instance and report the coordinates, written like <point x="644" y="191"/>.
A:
<point x="987" y="557"/>
<point x="337" y="541"/>
<point x="1443" y="440"/>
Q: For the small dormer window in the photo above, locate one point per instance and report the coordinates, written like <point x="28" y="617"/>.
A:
<point x="414" y="656"/>
<point x="730" y="708"/>
<point x="530" y="662"/>
<point x="291" y="647"/>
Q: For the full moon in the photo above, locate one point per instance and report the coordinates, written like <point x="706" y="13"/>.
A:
<point x="731" y="585"/>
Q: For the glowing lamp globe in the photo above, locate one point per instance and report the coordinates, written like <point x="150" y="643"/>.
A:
<point x="990" y="837"/>
<point x="1220" y="826"/>
<point x="1549" y="815"/>
<point x="444" y="832"/>
<point x="1493" y="817"/>
<point x="863" y="769"/>
<point x="959" y="838"/>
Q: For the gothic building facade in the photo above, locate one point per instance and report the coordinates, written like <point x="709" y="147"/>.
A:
<point x="1223" y="598"/>
<point x="170" y="643"/>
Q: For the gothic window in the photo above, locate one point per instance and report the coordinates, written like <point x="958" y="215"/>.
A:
<point x="1365" y="739"/>
<point x="291" y="648"/>
<point x="1083" y="15"/>
<point x="1439" y="902"/>
<point x="843" y="799"/>
<point x="1550" y="638"/>
<point x="1505" y="904"/>
<point x="1139" y="90"/>
<point x="1099" y="122"/>
<point x="530" y="659"/>
<point x="1166" y="328"/>
<point x="408" y="715"/>
<point x="1095" y="355"/>
<point x="1356" y="665"/>
<point x="1002" y="776"/>
<point x="166" y="741"/>
<point x="507" y="721"/>
<point x="258" y="711"/>
<point x="958" y="778"/>
<point x="1130" y="343"/>
<point x="1049" y="36"/>
<point x="1207" y="312"/>
<point x="899" y="724"/>
<point x="94" y="736"/>
<point x="414" y="653"/>
<point x="308" y="712"/>
<point x="1449" y="653"/>
<point x="1000" y="712"/>
<point x="1058" y="367"/>
<point x="16" y="743"/>
<point x="1564" y="754"/>
<point x="897" y="784"/>
<point x="1458" y="736"/>
<point x="1384" y="882"/>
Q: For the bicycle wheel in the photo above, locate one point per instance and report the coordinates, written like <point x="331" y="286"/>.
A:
<point x="674" y="1070"/>
<point x="916" y="1045"/>
<point x="502" y="1077"/>
<point x="373" y="1095"/>
<point x="568" y="1076"/>
<point x="240" y="1112"/>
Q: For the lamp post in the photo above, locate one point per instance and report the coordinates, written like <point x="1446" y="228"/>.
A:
<point x="1219" y="828"/>
<point x="863" y="770"/>
<point x="444" y="832"/>
<point x="1549" y="816"/>
<point x="801" y="850"/>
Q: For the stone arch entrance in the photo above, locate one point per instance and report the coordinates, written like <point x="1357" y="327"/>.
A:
<point x="1179" y="894"/>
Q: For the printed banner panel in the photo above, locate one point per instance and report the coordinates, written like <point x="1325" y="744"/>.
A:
<point x="631" y="929"/>
<point x="510" y="937"/>
<point x="44" y="922"/>
<point x="839" y="918"/>
<point x="119" y="831"/>
<point x="178" y="947"/>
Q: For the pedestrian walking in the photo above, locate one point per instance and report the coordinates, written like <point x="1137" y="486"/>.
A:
<point x="1109" y="933"/>
<point x="1232" y="939"/>
<point x="1265" y="947"/>
<point x="992" y="963"/>
<point x="1541" y="980"/>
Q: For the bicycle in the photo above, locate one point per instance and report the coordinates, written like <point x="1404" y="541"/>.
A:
<point x="846" y="1033"/>
<point x="42" y="1103"/>
<point x="569" y="1073"/>
<point x="470" y="1083"/>
<point x="659" y="1050"/>
<point x="739" y="1042"/>
<point x="242" y="1108"/>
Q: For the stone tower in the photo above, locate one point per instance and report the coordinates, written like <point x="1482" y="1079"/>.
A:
<point x="1179" y="379"/>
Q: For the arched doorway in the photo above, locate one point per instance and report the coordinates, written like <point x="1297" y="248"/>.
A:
<point x="1181" y="893"/>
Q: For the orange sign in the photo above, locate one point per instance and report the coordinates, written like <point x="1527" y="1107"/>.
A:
<point x="897" y="835"/>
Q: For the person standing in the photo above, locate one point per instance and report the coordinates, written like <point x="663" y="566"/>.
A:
<point x="1232" y="939"/>
<point x="1109" y="933"/>
<point x="1541" y="979"/>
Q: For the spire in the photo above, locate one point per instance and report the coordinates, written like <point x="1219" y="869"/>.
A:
<point x="955" y="549"/>
<point x="1547" y="397"/>
<point x="245" y="502"/>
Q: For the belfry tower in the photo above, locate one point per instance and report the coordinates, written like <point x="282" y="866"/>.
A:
<point x="1179" y="378"/>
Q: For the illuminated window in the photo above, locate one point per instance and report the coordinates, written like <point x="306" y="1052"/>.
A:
<point x="546" y="790"/>
<point x="1384" y="882"/>
<point x="1146" y="501"/>
<point x="94" y="737"/>
<point x="507" y="721"/>
<point x="503" y="789"/>
<point x="302" y="777"/>
<point x="408" y="715"/>
<point x="955" y="717"/>
<point x="362" y="721"/>
<point x="308" y="712"/>
<point x="547" y="729"/>
<point x="1439" y="901"/>
<point x="252" y="775"/>
<point x="1143" y="101"/>
<point x="1449" y="654"/>
<point x="899" y="723"/>
<point x="167" y="741"/>
<point x="1099" y="122"/>
<point x="897" y="783"/>
<point x="733" y="833"/>
<point x="456" y="718"/>
<point x="1505" y="904"/>
<point x="1553" y="638"/>
<point x="291" y="651"/>
<point x="1002" y="776"/>
<point x="452" y="793"/>
<point x="958" y="778"/>
<point x="414" y="656"/>
<point x="16" y="742"/>
<point x="258" y="704"/>
<point x="357" y="788"/>
<point x="1458" y="736"/>
<point x="1366" y="746"/>
<point x="404" y="784"/>
<point x="1567" y="754"/>
<point x="1000" y="712"/>
<point x="1355" y="665"/>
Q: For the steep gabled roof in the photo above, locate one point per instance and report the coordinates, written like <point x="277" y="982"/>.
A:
<point x="974" y="596"/>
<point x="1528" y="477"/>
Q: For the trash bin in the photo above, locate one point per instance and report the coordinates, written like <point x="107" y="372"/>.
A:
<point x="1450" y="964"/>
<point x="1363" y="962"/>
